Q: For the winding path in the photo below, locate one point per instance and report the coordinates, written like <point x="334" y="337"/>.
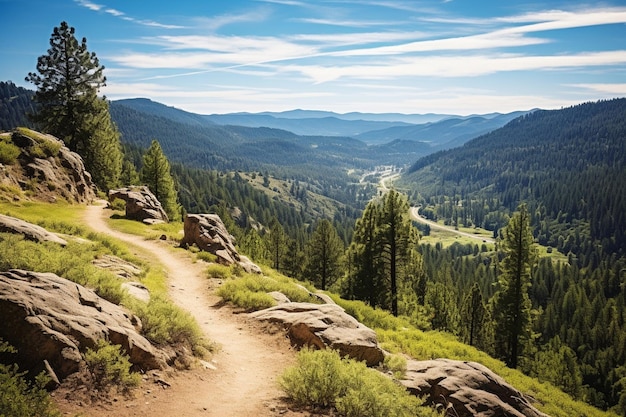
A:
<point x="247" y="363"/>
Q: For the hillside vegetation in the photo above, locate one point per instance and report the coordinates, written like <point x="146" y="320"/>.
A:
<point x="569" y="166"/>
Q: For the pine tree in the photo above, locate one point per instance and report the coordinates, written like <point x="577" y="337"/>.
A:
<point x="276" y="241"/>
<point x="399" y="238"/>
<point x="156" y="174"/>
<point x="383" y="251"/>
<point x="68" y="79"/>
<point x="365" y="275"/>
<point x="512" y="306"/>
<point x="474" y="318"/>
<point x="324" y="250"/>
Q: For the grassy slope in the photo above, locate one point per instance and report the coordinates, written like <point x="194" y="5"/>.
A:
<point x="395" y="334"/>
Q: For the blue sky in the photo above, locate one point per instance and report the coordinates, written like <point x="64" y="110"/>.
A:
<point x="448" y="56"/>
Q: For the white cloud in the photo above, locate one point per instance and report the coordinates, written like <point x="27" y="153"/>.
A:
<point x="456" y="66"/>
<point x="616" y="89"/>
<point x="114" y="12"/>
<point x="91" y="6"/>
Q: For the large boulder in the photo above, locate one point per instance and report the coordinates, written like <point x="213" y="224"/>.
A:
<point x="51" y="321"/>
<point x="141" y="204"/>
<point x="325" y="326"/>
<point x="46" y="170"/>
<point x="466" y="389"/>
<point x="30" y="231"/>
<point x="207" y="231"/>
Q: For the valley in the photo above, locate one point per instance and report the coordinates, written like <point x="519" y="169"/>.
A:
<point x="565" y="168"/>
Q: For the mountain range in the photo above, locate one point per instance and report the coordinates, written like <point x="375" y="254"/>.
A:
<point x="362" y="137"/>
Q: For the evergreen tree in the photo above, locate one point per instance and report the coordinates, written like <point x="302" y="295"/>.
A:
<point x="512" y="306"/>
<point x="102" y="155"/>
<point x="475" y="318"/>
<point x="365" y="274"/>
<point x="156" y="174"/>
<point x="68" y="79"/>
<point x="324" y="250"/>
<point x="383" y="250"/>
<point x="276" y="241"/>
<point x="399" y="238"/>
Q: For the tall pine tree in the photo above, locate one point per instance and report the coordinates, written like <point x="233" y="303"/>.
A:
<point x="156" y="174"/>
<point x="382" y="252"/>
<point x="512" y="306"/>
<point x="324" y="250"/>
<point x="68" y="78"/>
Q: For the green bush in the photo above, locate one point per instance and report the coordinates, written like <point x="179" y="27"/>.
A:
<point x="321" y="378"/>
<point x="216" y="270"/>
<point x="164" y="323"/>
<point x="8" y="152"/>
<point x="18" y="398"/>
<point x="396" y="364"/>
<point x="250" y="291"/>
<point x="110" y="367"/>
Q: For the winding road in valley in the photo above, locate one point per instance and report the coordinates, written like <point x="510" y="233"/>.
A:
<point x="240" y="379"/>
<point x="415" y="215"/>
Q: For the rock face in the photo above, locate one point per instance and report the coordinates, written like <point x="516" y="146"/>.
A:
<point x="28" y="230"/>
<point x="46" y="169"/>
<point x="141" y="204"/>
<point x="466" y="389"/>
<point x="325" y="325"/>
<point x="49" y="319"/>
<point x="208" y="232"/>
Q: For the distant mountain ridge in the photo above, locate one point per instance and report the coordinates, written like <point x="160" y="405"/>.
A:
<point x="437" y="131"/>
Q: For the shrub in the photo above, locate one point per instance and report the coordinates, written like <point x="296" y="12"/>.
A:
<point x="164" y="323"/>
<point x="118" y="204"/>
<point x="321" y="378"/>
<point x="18" y="398"/>
<point x="216" y="270"/>
<point x="396" y="364"/>
<point x="110" y="367"/>
<point x="8" y="152"/>
<point x="250" y="291"/>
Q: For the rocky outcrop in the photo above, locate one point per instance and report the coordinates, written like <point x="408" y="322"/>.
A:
<point x="30" y="231"/>
<point x="49" y="319"/>
<point x="325" y="326"/>
<point x="45" y="169"/>
<point x="466" y="389"/>
<point x="207" y="231"/>
<point x="141" y="204"/>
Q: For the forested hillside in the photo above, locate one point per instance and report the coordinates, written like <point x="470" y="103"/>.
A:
<point x="15" y="103"/>
<point x="569" y="166"/>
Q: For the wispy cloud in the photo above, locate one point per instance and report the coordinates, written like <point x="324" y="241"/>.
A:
<point x="114" y="12"/>
<point x="613" y="89"/>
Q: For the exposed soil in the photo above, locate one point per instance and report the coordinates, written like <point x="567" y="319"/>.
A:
<point x="247" y="363"/>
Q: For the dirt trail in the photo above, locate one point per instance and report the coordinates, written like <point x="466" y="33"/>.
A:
<point x="247" y="363"/>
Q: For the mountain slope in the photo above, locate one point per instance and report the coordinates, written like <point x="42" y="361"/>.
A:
<point x="443" y="134"/>
<point x="571" y="163"/>
<point x="148" y="106"/>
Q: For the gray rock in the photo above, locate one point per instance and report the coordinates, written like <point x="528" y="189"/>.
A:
<point x="46" y="173"/>
<point x="141" y="204"/>
<point x="207" y="231"/>
<point x="325" y="326"/>
<point x="30" y="231"/>
<point x="466" y="389"/>
<point x="49" y="318"/>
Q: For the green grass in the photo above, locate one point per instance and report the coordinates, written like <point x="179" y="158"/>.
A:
<point x="163" y="322"/>
<point x="322" y="379"/>
<point x="250" y="291"/>
<point x="172" y="230"/>
<point x="402" y="338"/>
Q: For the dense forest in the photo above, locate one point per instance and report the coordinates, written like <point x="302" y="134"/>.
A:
<point x="569" y="166"/>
